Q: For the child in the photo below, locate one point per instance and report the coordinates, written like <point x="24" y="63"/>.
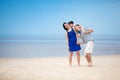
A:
<point x="72" y="42"/>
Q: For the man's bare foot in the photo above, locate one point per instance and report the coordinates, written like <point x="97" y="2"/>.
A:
<point x="89" y="64"/>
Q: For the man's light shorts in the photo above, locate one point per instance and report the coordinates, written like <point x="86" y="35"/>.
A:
<point x="89" y="47"/>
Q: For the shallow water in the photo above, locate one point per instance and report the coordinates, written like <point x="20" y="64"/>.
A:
<point x="54" y="47"/>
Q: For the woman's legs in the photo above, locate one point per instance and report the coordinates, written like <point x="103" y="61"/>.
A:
<point x="78" y="57"/>
<point x="70" y="58"/>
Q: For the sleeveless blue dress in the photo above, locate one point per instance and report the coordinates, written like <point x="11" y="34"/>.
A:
<point x="72" y="41"/>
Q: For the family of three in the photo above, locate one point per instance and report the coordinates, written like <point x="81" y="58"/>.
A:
<point x="73" y="35"/>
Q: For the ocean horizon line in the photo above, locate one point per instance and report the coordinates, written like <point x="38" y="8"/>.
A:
<point x="54" y="37"/>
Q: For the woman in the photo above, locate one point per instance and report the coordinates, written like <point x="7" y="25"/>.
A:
<point x="73" y="44"/>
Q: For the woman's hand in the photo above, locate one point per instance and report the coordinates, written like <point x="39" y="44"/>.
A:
<point x="68" y="48"/>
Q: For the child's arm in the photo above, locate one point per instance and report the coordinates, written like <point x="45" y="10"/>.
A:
<point x="76" y="36"/>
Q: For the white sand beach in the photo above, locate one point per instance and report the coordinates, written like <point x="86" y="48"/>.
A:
<point x="106" y="67"/>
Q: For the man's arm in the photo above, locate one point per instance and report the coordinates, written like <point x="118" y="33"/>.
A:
<point x="82" y="40"/>
<point x="88" y="31"/>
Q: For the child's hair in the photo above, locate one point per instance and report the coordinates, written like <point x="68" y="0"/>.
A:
<point x="64" y="26"/>
<point x="70" y="22"/>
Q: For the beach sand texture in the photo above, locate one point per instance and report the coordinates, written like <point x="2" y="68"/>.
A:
<point x="105" y="67"/>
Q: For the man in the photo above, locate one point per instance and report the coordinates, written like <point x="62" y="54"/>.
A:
<point x="88" y="40"/>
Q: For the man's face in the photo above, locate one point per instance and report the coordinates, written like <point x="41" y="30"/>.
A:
<point x="78" y="28"/>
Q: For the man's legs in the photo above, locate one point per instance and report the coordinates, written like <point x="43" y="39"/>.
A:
<point x="70" y="58"/>
<point x="78" y="57"/>
<point x="88" y="51"/>
<point x="89" y="59"/>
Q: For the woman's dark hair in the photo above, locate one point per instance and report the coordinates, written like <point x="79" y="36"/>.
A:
<point x="64" y="26"/>
<point x="70" y="22"/>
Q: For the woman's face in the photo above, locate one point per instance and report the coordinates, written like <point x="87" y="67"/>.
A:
<point x="67" y="26"/>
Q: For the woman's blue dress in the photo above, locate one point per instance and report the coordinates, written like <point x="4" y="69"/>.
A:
<point x="72" y="41"/>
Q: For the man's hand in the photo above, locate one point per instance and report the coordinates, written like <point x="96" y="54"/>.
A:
<point x="80" y="43"/>
<point x="88" y="31"/>
<point x="91" y="30"/>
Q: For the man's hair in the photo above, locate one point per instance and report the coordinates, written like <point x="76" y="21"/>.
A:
<point x="70" y="22"/>
<point x="64" y="26"/>
<point x="77" y="25"/>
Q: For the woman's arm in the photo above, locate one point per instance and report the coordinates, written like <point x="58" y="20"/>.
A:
<point x="66" y="36"/>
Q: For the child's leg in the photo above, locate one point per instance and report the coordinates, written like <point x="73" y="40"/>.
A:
<point x="78" y="57"/>
<point x="88" y="57"/>
<point x="70" y="58"/>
